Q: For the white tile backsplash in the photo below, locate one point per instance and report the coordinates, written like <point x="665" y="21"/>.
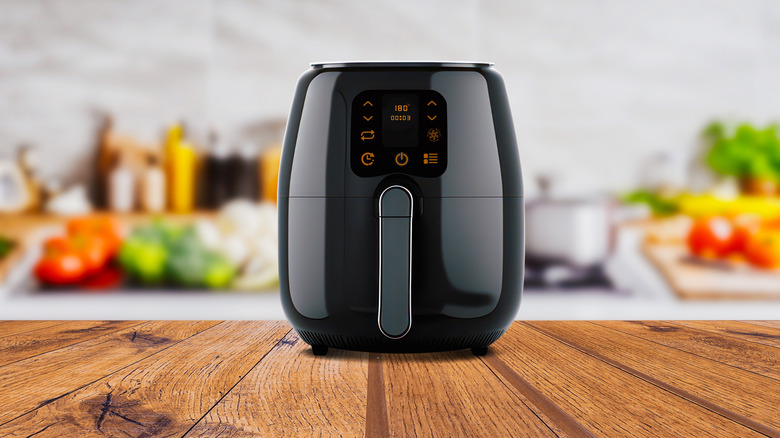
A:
<point x="597" y="86"/>
<point x="262" y="47"/>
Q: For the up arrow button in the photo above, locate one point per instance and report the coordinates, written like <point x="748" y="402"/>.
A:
<point x="431" y="103"/>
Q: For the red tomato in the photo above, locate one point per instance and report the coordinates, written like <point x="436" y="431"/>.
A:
<point x="93" y="250"/>
<point x="96" y="224"/>
<point x="107" y="278"/>
<point x="101" y="226"/>
<point x="57" y="244"/>
<point x="763" y="249"/>
<point x="711" y="237"/>
<point x="68" y="260"/>
<point x="60" y="268"/>
<point x="745" y="226"/>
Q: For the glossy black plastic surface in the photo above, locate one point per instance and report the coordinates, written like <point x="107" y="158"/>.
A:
<point x="467" y="238"/>
<point x="415" y="143"/>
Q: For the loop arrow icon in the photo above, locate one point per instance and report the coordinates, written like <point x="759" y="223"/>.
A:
<point x="367" y="135"/>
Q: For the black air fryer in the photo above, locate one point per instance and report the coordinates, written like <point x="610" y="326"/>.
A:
<point x="400" y="208"/>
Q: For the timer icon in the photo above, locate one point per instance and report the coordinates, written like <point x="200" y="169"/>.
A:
<point x="434" y="135"/>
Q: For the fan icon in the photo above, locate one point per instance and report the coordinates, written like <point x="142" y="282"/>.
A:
<point x="434" y="134"/>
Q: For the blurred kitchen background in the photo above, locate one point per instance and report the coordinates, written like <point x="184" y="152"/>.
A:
<point x="139" y="148"/>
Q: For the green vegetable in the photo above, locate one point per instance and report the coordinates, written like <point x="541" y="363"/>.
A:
<point x="144" y="260"/>
<point x="747" y="152"/>
<point x="144" y="255"/>
<point x="164" y="253"/>
<point x="194" y="266"/>
<point x="660" y="205"/>
<point x="5" y="247"/>
<point x="219" y="274"/>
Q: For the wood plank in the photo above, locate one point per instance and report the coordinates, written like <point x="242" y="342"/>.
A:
<point x="775" y="324"/>
<point x="554" y="417"/>
<point x="377" y="425"/>
<point x="162" y="395"/>
<point x="745" y="397"/>
<point x="37" y="381"/>
<point x="424" y="391"/>
<point x="453" y="394"/>
<point x="291" y="392"/>
<point x="21" y="346"/>
<point x="10" y="328"/>
<point x="748" y="332"/>
<point x="604" y="399"/>
<point x="747" y="355"/>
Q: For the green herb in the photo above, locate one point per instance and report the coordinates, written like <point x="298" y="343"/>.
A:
<point x="5" y="247"/>
<point x="744" y="152"/>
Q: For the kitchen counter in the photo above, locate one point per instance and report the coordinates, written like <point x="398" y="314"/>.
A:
<point x="641" y="292"/>
<point x="210" y="378"/>
<point x="587" y="304"/>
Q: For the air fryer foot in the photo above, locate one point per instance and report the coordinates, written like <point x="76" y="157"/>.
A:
<point x="479" y="351"/>
<point x="319" y="350"/>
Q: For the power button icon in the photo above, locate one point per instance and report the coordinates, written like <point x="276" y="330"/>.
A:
<point x="401" y="159"/>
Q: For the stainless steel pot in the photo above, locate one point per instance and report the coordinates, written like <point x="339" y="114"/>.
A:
<point x="578" y="232"/>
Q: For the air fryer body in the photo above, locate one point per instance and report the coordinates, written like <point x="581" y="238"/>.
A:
<point x="396" y="173"/>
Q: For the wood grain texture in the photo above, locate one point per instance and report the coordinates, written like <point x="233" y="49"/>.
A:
<point x="35" y="382"/>
<point x="604" y="399"/>
<point x="750" y="356"/>
<point x="774" y="324"/>
<point x="28" y="344"/>
<point x="241" y="378"/>
<point x="544" y="408"/>
<point x="427" y="396"/>
<point x="743" y="396"/>
<point x="162" y="395"/>
<point x="376" y="401"/>
<point x="9" y="328"/>
<point x="748" y="332"/>
<point x="291" y="392"/>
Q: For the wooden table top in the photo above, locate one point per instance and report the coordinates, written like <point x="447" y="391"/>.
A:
<point x="257" y="378"/>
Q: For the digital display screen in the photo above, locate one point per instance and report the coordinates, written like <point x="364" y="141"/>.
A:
<point x="398" y="131"/>
<point x="399" y="120"/>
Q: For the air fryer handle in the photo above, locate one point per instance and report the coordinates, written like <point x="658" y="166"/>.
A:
<point x="395" y="262"/>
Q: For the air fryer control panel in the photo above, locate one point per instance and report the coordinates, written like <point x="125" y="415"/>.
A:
<point x="399" y="131"/>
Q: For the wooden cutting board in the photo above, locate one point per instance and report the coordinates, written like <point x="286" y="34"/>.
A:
<point x="692" y="279"/>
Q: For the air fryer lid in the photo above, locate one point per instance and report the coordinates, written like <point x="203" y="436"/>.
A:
<point x="401" y="64"/>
